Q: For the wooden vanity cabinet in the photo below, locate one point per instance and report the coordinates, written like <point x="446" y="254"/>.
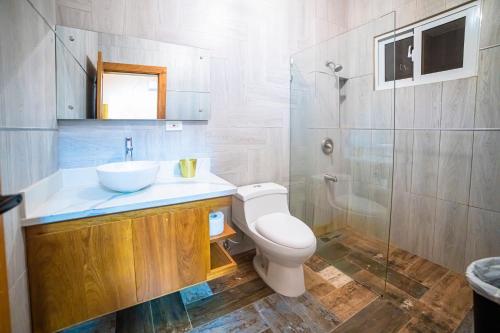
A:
<point x="171" y="250"/>
<point x="82" y="269"/>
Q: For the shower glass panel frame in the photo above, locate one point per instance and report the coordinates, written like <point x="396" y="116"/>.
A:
<point x="344" y="196"/>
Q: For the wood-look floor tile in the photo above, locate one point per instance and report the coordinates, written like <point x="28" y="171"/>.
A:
<point x="417" y="309"/>
<point x="334" y="276"/>
<point x="312" y="312"/>
<point x="169" y="314"/>
<point x="244" y="257"/>
<point x="398" y="280"/>
<point x="105" y="324"/>
<point x="425" y="272"/>
<point x="279" y="316"/>
<point x="333" y="251"/>
<point x="220" y="304"/>
<point x="451" y="296"/>
<point x="315" y="284"/>
<point x="195" y="293"/>
<point x="245" y="320"/>
<point x="467" y="325"/>
<point x="243" y="274"/>
<point x="400" y="260"/>
<point x="378" y="286"/>
<point x="346" y="266"/>
<point x="372" y="248"/>
<point x="416" y="325"/>
<point x="348" y="300"/>
<point x="380" y="316"/>
<point x="136" y="319"/>
<point x="316" y="263"/>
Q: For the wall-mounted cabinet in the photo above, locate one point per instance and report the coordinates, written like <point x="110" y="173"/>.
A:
<point x="82" y="269"/>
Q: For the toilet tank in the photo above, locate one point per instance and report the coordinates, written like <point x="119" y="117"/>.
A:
<point x="254" y="201"/>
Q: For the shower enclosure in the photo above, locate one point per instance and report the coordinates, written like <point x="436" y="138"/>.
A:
<point x="342" y="145"/>
<point x="394" y="150"/>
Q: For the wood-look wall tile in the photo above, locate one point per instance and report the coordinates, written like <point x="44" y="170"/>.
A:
<point x="355" y="108"/>
<point x="27" y="68"/>
<point x="488" y="85"/>
<point x="459" y="101"/>
<point x="428" y="105"/>
<point x="404" y="107"/>
<point x="403" y="160"/>
<point x="108" y="16"/>
<point x="74" y="13"/>
<point x="450" y="234"/>
<point x="425" y="162"/>
<point x="483" y="234"/>
<point x="485" y="182"/>
<point x="20" y="305"/>
<point x="454" y="3"/>
<point x="421" y="225"/>
<point x="47" y="9"/>
<point x="27" y="157"/>
<point x="141" y="19"/>
<point x="490" y="23"/>
<point x="426" y="8"/>
<point x="455" y="157"/>
<point x="405" y="12"/>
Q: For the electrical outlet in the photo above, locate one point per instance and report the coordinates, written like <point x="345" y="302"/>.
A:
<point x="173" y="126"/>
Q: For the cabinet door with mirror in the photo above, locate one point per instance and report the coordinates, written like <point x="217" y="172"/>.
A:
<point x="105" y="76"/>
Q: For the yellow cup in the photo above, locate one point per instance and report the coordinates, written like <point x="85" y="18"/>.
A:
<point x="188" y="167"/>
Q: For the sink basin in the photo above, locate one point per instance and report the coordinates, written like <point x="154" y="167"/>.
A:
<point x="128" y="176"/>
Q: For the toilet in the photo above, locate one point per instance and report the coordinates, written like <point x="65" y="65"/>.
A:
<point x="283" y="242"/>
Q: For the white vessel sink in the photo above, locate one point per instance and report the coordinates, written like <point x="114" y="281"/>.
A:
<point x="128" y="176"/>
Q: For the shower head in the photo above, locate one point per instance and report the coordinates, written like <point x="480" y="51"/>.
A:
<point x="333" y="66"/>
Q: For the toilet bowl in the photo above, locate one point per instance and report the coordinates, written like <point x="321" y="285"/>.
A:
<point x="283" y="242"/>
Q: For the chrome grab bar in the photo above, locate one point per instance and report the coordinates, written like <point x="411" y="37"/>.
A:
<point x="330" y="178"/>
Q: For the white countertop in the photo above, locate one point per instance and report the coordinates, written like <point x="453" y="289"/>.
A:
<point x="76" y="193"/>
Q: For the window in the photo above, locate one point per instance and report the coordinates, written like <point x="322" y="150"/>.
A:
<point x="438" y="49"/>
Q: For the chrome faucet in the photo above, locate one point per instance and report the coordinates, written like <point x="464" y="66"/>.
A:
<point x="129" y="149"/>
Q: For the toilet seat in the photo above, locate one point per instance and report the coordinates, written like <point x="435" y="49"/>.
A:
<point x="285" y="230"/>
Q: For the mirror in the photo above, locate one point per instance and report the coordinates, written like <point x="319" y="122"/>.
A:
<point x="105" y="76"/>
<point x="128" y="91"/>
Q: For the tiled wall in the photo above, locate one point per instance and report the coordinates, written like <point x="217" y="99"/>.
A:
<point x="446" y="199"/>
<point x="249" y="42"/>
<point x="28" y="128"/>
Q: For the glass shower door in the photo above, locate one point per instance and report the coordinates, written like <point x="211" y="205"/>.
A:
<point x="342" y="151"/>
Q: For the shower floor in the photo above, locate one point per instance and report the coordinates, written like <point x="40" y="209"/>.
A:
<point x="345" y="284"/>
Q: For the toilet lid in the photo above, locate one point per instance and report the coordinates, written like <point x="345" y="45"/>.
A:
<point x="285" y="230"/>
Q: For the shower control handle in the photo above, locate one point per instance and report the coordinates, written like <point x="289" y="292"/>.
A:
<point x="330" y="178"/>
<point x="327" y="146"/>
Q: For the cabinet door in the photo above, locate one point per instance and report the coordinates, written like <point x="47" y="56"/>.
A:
<point x="79" y="274"/>
<point x="171" y="250"/>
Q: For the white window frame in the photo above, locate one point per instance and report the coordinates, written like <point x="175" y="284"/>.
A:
<point x="380" y="65"/>
<point x="470" y="11"/>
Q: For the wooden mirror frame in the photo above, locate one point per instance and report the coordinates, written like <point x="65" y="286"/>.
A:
<point x="114" y="67"/>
